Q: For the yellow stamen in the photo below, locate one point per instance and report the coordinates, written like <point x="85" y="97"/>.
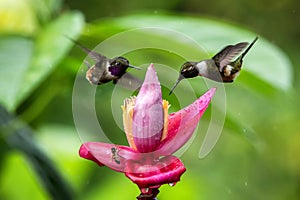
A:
<point x="166" y="114"/>
<point x="127" y="120"/>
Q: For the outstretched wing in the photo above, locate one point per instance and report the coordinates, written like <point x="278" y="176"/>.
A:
<point x="226" y="55"/>
<point x="129" y="81"/>
<point x="94" y="55"/>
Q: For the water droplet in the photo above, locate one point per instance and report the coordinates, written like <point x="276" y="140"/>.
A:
<point x="172" y="184"/>
<point x="145" y="190"/>
<point x="246" y="183"/>
<point x="156" y="159"/>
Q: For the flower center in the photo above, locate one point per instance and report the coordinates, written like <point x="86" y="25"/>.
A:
<point x="128" y="108"/>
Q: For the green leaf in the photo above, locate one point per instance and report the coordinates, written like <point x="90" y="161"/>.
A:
<point x="265" y="61"/>
<point x="19" y="136"/>
<point x="44" y="9"/>
<point x="50" y="48"/>
<point x="14" y="167"/>
<point x="15" y="54"/>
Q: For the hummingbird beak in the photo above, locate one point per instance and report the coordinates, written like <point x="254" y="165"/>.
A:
<point x="134" y="67"/>
<point x="178" y="80"/>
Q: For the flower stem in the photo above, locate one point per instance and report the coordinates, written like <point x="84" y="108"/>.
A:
<point x="149" y="195"/>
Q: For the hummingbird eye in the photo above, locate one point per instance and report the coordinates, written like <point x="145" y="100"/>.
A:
<point x="188" y="70"/>
<point x="118" y="61"/>
<point x="187" y="67"/>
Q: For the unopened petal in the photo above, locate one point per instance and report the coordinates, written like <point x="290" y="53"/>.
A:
<point x="110" y="155"/>
<point x="148" y="114"/>
<point x="183" y="123"/>
<point x="166" y="170"/>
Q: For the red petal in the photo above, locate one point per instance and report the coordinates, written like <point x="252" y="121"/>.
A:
<point x="183" y="123"/>
<point x="85" y="153"/>
<point x="166" y="170"/>
<point x="110" y="155"/>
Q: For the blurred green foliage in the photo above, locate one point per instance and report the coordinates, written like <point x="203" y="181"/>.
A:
<point x="257" y="154"/>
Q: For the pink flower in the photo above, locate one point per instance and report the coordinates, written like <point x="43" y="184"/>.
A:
<point x="153" y="136"/>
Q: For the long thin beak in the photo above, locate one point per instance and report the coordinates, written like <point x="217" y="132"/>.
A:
<point x="178" y="80"/>
<point x="131" y="66"/>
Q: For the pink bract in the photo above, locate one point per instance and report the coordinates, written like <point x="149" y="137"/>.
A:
<point x="153" y="136"/>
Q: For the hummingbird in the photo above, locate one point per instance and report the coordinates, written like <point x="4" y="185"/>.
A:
<point x="105" y="69"/>
<point x="221" y="68"/>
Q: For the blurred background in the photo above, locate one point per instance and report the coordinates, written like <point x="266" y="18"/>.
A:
<point x="257" y="154"/>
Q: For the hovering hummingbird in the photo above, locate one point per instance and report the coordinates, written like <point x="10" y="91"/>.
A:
<point x="220" y="68"/>
<point x="106" y="69"/>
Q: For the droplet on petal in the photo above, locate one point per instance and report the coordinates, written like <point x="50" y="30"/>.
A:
<point x="172" y="184"/>
<point x="144" y="190"/>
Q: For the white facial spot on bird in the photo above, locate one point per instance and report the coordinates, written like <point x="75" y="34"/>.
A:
<point x="202" y="68"/>
<point x="227" y="70"/>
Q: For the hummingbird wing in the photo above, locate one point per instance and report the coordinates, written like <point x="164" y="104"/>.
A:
<point x="96" y="56"/>
<point x="92" y="54"/>
<point x="129" y="81"/>
<point x="227" y="54"/>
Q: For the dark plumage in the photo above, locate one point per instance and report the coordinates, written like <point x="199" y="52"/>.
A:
<point x="105" y="69"/>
